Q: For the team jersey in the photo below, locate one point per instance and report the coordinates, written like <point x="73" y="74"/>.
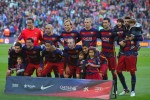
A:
<point x="107" y="37"/>
<point x="89" y="36"/>
<point x="35" y="34"/>
<point x="73" y="34"/>
<point x="55" y="56"/>
<point x="33" y="55"/>
<point x="71" y="55"/>
<point x="12" y="57"/>
<point x="90" y="69"/>
<point x="54" y="38"/>
<point x="130" y="48"/>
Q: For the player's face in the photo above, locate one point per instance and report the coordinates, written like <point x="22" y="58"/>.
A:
<point x="17" y="49"/>
<point x="106" y="24"/>
<point x="19" y="60"/>
<point x="126" y="22"/>
<point x="91" y="53"/>
<point x="48" y="46"/>
<point x="81" y="56"/>
<point x="71" y="43"/>
<point x="85" y="49"/>
<point x="29" y="44"/>
<point x="87" y="23"/>
<point x="119" y="24"/>
<point x="48" y="29"/>
<point x="29" y="24"/>
<point x="68" y="26"/>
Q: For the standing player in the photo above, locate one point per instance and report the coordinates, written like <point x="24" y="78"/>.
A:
<point x="69" y="32"/>
<point x="33" y="58"/>
<point x="12" y="57"/>
<point x="71" y="53"/>
<point x="53" y="58"/>
<point x="89" y="34"/>
<point x="127" y="61"/>
<point x="31" y="32"/>
<point x="108" y="48"/>
<point x="50" y="36"/>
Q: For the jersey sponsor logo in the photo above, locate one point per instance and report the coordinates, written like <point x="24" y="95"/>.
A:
<point x="46" y="87"/>
<point x="105" y="39"/>
<point x="87" y="38"/>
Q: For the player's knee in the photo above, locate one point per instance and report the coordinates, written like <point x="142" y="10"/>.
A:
<point x="132" y="72"/>
<point x="8" y="73"/>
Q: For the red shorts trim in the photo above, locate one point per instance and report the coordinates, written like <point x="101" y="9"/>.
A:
<point x="127" y="63"/>
<point x="112" y="63"/>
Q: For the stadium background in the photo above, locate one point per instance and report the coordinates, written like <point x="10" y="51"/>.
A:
<point x="13" y="14"/>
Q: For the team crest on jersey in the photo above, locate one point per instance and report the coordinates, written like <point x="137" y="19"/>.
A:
<point x="53" y="38"/>
<point x="72" y="34"/>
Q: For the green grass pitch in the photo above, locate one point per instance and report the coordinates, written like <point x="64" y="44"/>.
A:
<point x="142" y="86"/>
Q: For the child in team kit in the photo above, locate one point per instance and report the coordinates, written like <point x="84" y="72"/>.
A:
<point x="19" y="67"/>
<point x="80" y="71"/>
<point x="92" y="66"/>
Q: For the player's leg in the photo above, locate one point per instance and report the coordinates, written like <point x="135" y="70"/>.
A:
<point x="122" y="67"/>
<point x="47" y="69"/>
<point x="29" y="70"/>
<point x="60" y="68"/>
<point x="78" y="70"/>
<point x="112" y="64"/>
<point x="55" y="72"/>
<point x="103" y="70"/>
<point x="132" y="60"/>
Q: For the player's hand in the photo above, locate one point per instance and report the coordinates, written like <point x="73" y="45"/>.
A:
<point x="39" y="70"/>
<point x="122" y="43"/>
<point x="67" y="70"/>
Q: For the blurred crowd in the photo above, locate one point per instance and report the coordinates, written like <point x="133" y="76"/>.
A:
<point x="13" y="13"/>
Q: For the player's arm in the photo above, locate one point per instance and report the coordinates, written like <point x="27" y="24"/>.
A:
<point x="10" y="58"/>
<point x="95" y="65"/>
<point x="79" y="37"/>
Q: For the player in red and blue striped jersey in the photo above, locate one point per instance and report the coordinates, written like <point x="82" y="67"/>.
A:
<point x="69" y="32"/>
<point x="13" y="53"/>
<point x="88" y="33"/>
<point x="50" y="36"/>
<point x="128" y="59"/>
<point x="33" y="58"/>
<point x="71" y="53"/>
<point x="53" y="58"/>
<point x="107" y="37"/>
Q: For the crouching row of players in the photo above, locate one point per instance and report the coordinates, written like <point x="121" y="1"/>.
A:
<point x="74" y="61"/>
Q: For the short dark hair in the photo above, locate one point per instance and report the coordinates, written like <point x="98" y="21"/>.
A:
<point x="127" y="17"/>
<point x="50" y="42"/>
<point x="18" y="44"/>
<point x="30" y="39"/>
<point x="120" y="20"/>
<point x="85" y="45"/>
<point x="31" y="19"/>
<point x="107" y="19"/>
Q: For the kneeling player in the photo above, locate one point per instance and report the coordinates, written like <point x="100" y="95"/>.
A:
<point x="53" y="59"/>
